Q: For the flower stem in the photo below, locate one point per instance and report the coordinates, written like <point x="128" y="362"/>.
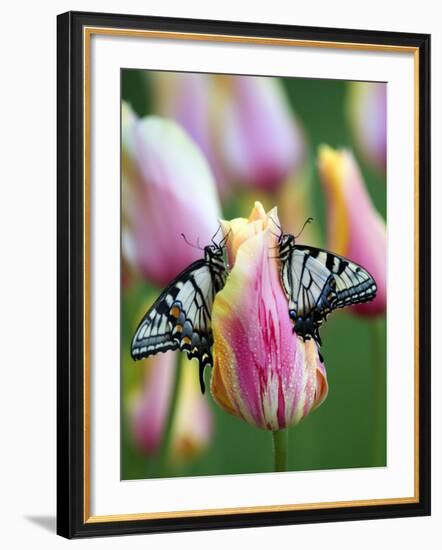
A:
<point x="280" y="450"/>
<point x="167" y="433"/>
<point x="378" y="394"/>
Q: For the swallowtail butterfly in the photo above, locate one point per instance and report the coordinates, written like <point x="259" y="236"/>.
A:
<point x="316" y="282"/>
<point x="180" y="318"/>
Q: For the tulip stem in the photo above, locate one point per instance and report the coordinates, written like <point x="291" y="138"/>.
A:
<point x="280" y="450"/>
<point x="378" y="393"/>
<point x="167" y="433"/>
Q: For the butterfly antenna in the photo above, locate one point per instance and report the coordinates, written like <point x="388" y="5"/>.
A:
<point x="277" y="224"/>
<point x="225" y="238"/>
<point x="275" y="234"/>
<point x="216" y="233"/>
<point x="189" y="243"/>
<point x="307" y="221"/>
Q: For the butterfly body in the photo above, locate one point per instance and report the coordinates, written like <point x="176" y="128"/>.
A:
<point x="317" y="282"/>
<point x="180" y="318"/>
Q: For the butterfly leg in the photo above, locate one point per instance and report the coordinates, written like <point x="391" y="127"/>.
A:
<point x="317" y="337"/>
<point x="201" y="373"/>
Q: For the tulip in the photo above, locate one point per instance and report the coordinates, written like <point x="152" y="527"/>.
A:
<point x="150" y="406"/>
<point x="262" y="373"/>
<point x="128" y="260"/>
<point x="355" y="229"/>
<point x="262" y="142"/>
<point x="168" y="190"/>
<point x="129" y="174"/>
<point x="188" y="99"/>
<point x="192" y="426"/>
<point x="367" y="110"/>
<point x="295" y="206"/>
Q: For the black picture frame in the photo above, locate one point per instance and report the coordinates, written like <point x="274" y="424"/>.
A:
<point x="71" y="519"/>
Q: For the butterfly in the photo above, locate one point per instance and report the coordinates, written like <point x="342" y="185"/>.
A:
<point x="180" y="318"/>
<point x="317" y="282"/>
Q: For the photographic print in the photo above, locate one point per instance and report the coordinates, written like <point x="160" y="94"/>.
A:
<point x="253" y="274"/>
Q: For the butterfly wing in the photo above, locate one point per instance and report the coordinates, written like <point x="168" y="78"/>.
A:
<point x="317" y="282"/>
<point x="310" y="289"/>
<point x="354" y="285"/>
<point x="180" y="319"/>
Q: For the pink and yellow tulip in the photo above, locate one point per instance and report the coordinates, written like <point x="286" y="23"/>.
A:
<point x="262" y="372"/>
<point x="168" y="190"/>
<point x="355" y="229"/>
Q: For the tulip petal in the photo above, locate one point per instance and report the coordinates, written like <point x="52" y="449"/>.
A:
<point x="240" y="230"/>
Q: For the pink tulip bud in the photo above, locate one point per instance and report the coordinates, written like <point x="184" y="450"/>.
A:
<point x="367" y="108"/>
<point x="192" y="426"/>
<point x="355" y="228"/>
<point x="170" y="192"/>
<point x="188" y="99"/>
<point x="150" y="406"/>
<point x="262" y="373"/>
<point x="262" y="143"/>
<point x="129" y="174"/>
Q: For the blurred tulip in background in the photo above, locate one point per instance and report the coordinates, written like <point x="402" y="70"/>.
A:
<point x="192" y="428"/>
<point x="355" y="228"/>
<point x="150" y="405"/>
<point x="169" y="192"/>
<point x="295" y="206"/>
<point x="262" y="142"/>
<point x="243" y="125"/>
<point x="188" y="99"/>
<point x="367" y="112"/>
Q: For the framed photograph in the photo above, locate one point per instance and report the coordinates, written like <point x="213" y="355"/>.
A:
<point x="243" y="274"/>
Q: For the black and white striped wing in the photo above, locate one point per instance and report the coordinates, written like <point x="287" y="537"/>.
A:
<point x="310" y="288"/>
<point x="180" y="319"/>
<point x="354" y="285"/>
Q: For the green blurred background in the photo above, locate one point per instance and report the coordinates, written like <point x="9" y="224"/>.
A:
<point x="349" y="429"/>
